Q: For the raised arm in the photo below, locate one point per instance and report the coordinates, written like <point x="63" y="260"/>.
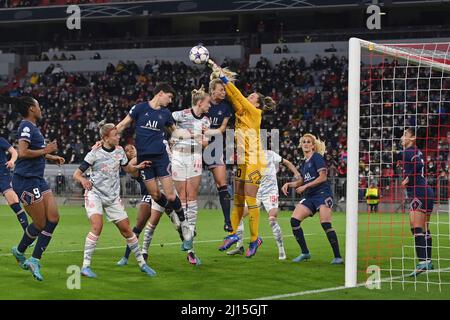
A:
<point x="125" y="123"/>
<point x="238" y="101"/>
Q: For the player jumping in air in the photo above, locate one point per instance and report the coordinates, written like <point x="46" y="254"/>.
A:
<point x="151" y="119"/>
<point x="251" y="159"/>
<point x="187" y="144"/>
<point x="5" y="182"/>
<point x="149" y="211"/>
<point x="421" y="198"/>
<point x="29" y="184"/>
<point x="268" y="196"/>
<point x="317" y="196"/>
<point x="103" y="194"/>
<point x="219" y="114"/>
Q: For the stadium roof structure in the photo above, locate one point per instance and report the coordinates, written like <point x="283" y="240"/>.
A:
<point x="179" y="7"/>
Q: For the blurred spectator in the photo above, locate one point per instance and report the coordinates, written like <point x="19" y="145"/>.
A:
<point x="110" y="69"/>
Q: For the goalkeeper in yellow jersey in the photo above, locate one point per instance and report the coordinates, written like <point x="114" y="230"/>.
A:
<point x="251" y="160"/>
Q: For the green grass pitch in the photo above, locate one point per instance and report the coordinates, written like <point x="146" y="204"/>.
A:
<point x="220" y="276"/>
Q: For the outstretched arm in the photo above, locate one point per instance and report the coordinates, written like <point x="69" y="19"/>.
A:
<point x="125" y="123"/>
<point x="238" y="101"/>
<point x="132" y="166"/>
<point x="292" y="168"/>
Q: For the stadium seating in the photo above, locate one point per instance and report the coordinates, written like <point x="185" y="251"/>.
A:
<point x="311" y="97"/>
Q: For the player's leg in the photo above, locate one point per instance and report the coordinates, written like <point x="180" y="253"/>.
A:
<point x="193" y="184"/>
<point x="219" y="173"/>
<point x="277" y="233"/>
<point x="94" y="211"/>
<point x="36" y="211"/>
<point x="325" y="212"/>
<point x="144" y="212"/>
<point x="428" y="238"/>
<point x="171" y="200"/>
<point x="44" y="237"/>
<point x="122" y="223"/>
<point x="240" y="233"/>
<point x="52" y="220"/>
<point x="96" y="222"/>
<point x="31" y="198"/>
<point x="253" y="179"/>
<point x="179" y="204"/>
<point x="302" y="211"/>
<point x="238" y="208"/>
<point x="152" y="188"/>
<point x="13" y="201"/>
<point x="419" y="219"/>
<point x="268" y="197"/>
<point x="156" y="212"/>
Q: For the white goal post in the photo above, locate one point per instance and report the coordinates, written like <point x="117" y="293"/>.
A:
<point x="414" y="54"/>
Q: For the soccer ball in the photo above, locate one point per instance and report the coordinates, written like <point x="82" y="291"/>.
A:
<point x="199" y="54"/>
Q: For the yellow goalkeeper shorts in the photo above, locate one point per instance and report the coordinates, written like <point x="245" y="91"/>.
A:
<point x="250" y="173"/>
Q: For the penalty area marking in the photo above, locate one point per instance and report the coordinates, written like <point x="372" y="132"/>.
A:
<point x="304" y="293"/>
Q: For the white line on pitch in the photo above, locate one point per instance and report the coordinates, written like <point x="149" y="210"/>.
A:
<point x="152" y="245"/>
<point x="304" y="293"/>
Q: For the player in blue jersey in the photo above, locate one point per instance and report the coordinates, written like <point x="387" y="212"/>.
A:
<point x="317" y="196"/>
<point x="29" y="184"/>
<point x="151" y="119"/>
<point x="219" y="113"/>
<point x="421" y="198"/>
<point x="148" y="211"/>
<point x="5" y="181"/>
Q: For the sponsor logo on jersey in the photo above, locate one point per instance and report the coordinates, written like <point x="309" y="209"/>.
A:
<point x="151" y="125"/>
<point x="25" y="132"/>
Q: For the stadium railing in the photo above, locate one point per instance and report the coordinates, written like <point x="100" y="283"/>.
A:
<point x="71" y="192"/>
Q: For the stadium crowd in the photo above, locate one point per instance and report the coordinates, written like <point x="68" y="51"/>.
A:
<point x="311" y="98"/>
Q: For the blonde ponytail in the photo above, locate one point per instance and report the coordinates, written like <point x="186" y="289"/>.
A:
<point x="198" y="95"/>
<point x="105" y="128"/>
<point x="319" y="145"/>
<point x="266" y="103"/>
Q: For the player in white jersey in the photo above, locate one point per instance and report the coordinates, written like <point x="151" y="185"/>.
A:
<point x="268" y="196"/>
<point x="187" y="145"/>
<point x="103" y="194"/>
